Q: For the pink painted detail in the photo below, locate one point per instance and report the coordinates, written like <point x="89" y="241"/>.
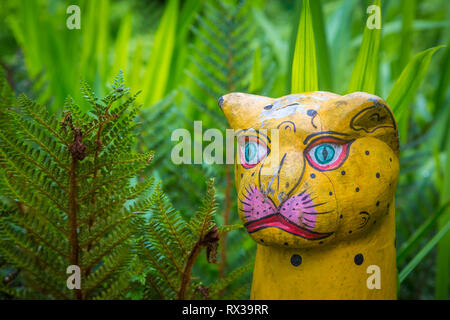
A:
<point x="255" y="206"/>
<point x="298" y="209"/>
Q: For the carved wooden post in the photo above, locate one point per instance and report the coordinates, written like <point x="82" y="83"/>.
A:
<point x="315" y="176"/>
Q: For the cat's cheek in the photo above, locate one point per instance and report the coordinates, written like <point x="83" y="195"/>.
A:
<point x="323" y="206"/>
<point x="365" y="186"/>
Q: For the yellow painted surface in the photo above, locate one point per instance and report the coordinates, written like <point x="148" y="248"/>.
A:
<point x="316" y="175"/>
<point x="329" y="272"/>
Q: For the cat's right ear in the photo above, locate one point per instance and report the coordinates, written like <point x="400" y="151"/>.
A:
<point x="243" y="110"/>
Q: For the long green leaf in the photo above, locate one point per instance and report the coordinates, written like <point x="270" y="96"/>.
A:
<point x="158" y="68"/>
<point x="256" y="82"/>
<point x="412" y="242"/>
<point x="304" y="65"/>
<point x="422" y="253"/>
<point x="406" y="35"/>
<point x="365" y="71"/>
<point x="121" y="46"/>
<point x="404" y="89"/>
<point x="443" y="254"/>
<point x="324" y="67"/>
<point x="339" y="33"/>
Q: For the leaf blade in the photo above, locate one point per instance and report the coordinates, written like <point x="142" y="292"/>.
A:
<point x="304" y="65"/>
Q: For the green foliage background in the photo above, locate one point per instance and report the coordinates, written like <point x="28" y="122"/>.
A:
<point x="183" y="55"/>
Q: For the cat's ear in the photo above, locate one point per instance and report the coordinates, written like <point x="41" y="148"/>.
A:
<point x="369" y="115"/>
<point x="373" y="116"/>
<point x="243" y="110"/>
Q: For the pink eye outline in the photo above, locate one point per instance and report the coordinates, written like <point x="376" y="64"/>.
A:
<point x="340" y="148"/>
<point x="252" y="142"/>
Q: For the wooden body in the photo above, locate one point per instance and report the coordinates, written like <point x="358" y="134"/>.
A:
<point x="330" y="273"/>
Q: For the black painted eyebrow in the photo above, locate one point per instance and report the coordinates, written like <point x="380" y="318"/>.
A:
<point x="256" y="131"/>
<point x="323" y="132"/>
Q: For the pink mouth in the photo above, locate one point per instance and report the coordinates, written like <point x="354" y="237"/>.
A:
<point x="278" y="221"/>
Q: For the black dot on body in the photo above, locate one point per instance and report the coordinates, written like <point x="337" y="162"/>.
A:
<point x="367" y="152"/>
<point x="341" y="216"/>
<point x="378" y="203"/>
<point x="350" y="231"/>
<point x="268" y="107"/>
<point x="390" y="159"/>
<point x="242" y="175"/>
<point x="313" y="175"/>
<point x="253" y="174"/>
<point x="331" y="193"/>
<point x="296" y="260"/>
<point x="359" y="259"/>
<point x="285" y="243"/>
<point x="357" y="189"/>
<point x="343" y="172"/>
<point x="261" y="240"/>
<point x="378" y="175"/>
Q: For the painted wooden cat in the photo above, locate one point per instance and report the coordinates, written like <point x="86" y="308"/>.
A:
<point x="316" y="175"/>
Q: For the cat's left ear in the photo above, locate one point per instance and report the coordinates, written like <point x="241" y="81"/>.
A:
<point x="374" y="115"/>
<point x="243" y="110"/>
<point x="370" y="115"/>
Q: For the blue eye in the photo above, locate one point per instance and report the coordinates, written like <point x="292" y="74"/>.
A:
<point x="327" y="153"/>
<point x="324" y="153"/>
<point x="250" y="152"/>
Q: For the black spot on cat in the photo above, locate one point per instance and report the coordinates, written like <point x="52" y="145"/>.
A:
<point x="313" y="175"/>
<point x="367" y="152"/>
<point x="390" y="159"/>
<point x="331" y="193"/>
<point x="261" y="240"/>
<point x="242" y="175"/>
<point x="268" y="107"/>
<point x="374" y="221"/>
<point x="357" y="189"/>
<point x="341" y="216"/>
<point x="253" y="173"/>
<point x="350" y="231"/>
<point x="378" y="203"/>
<point x="320" y="242"/>
<point x="286" y="244"/>
<point x="343" y="172"/>
<point x="378" y="175"/>
<point x="296" y="260"/>
<point x="359" y="259"/>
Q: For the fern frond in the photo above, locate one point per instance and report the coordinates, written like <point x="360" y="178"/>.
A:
<point x="200" y="223"/>
<point x="220" y="285"/>
<point x="71" y="181"/>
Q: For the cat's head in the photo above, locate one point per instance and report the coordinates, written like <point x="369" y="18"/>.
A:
<point x="313" y="167"/>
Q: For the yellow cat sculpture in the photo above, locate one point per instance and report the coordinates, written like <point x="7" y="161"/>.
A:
<point x="315" y="175"/>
